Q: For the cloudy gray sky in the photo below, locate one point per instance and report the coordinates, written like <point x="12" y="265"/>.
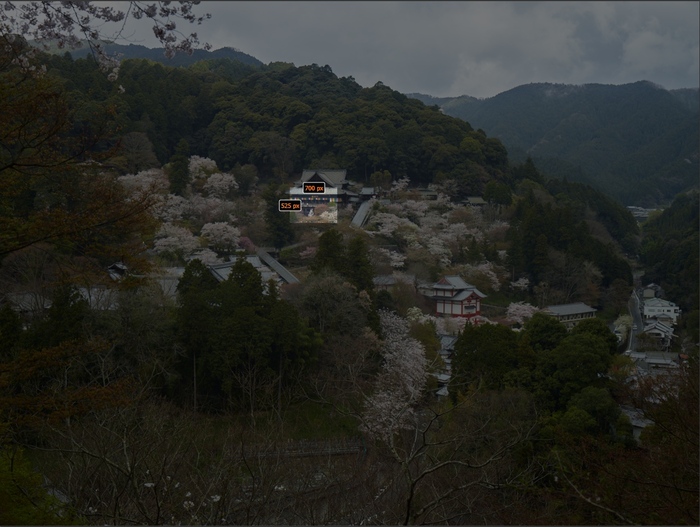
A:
<point x="466" y="48"/>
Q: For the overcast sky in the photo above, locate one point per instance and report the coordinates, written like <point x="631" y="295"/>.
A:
<point x="466" y="48"/>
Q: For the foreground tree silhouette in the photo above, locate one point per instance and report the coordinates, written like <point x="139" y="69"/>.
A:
<point x="68" y="24"/>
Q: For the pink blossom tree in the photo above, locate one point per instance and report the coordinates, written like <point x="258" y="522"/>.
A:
<point x="202" y="167"/>
<point x="519" y="312"/>
<point x="401" y="383"/>
<point x="220" y="185"/>
<point x="221" y="236"/>
<point x="175" y="240"/>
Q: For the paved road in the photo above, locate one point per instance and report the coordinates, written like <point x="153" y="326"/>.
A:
<point x="635" y="311"/>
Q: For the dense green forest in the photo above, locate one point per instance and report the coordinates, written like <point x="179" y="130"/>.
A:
<point x="670" y="252"/>
<point x="235" y="401"/>
<point x="636" y="142"/>
<point x="285" y="118"/>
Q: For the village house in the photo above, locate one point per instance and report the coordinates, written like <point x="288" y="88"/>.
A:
<point x="662" y="310"/>
<point x="570" y="314"/>
<point x="661" y="332"/>
<point x="652" y="291"/>
<point x="454" y="297"/>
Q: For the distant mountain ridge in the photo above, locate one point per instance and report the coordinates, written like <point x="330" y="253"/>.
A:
<point x="136" y="51"/>
<point x="637" y="142"/>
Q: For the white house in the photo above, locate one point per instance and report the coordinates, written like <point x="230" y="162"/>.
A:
<point x="661" y="309"/>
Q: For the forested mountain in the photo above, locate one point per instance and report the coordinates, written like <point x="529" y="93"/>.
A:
<point x="284" y="119"/>
<point x="637" y="142"/>
<point x="136" y="51"/>
<point x="670" y="251"/>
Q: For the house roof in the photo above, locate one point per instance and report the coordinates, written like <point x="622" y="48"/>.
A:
<point x="455" y="283"/>
<point x="447" y="342"/>
<point x="636" y="416"/>
<point x="222" y="271"/>
<point x="277" y="267"/>
<point x="658" y="326"/>
<point x="362" y="214"/>
<point x="658" y="302"/>
<point x="333" y="177"/>
<point x="462" y="295"/>
<point x="577" y="308"/>
<point x="384" y="279"/>
<point x="462" y="289"/>
<point x="452" y="282"/>
<point x="476" y="200"/>
<point x="367" y="191"/>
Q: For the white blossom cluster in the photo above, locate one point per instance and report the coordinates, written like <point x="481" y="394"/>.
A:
<point x="151" y="180"/>
<point x="436" y="246"/>
<point x="488" y="269"/>
<point x="521" y="284"/>
<point x="401" y="382"/>
<point x="221" y="236"/>
<point x="396" y="259"/>
<point x="430" y="226"/>
<point x="209" y="210"/>
<point x="519" y="312"/>
<point x="204" y="205"/>
<point x="206" y="256"/>
<point x="443" y="325"/>
<point x="400" y="184"/>
<point x="219" y="185"/>
<point x="201" y="167"/>
<point x="172" y="207"/>
<point x="388" y="224"/>
<point x="174" y="239"/>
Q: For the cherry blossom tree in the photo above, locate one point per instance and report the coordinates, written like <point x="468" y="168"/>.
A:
<point x="176" y="240"/>
<point x="67" y="24"/>
<point x="206" y="256"/>
<point x="400" y="384"/>
<point x="221" y="236"/>
<point x="396" y="259"/>
<point x="172" y="208"/>
<point x="307" y="253"/>
<point x="153" y="179"/>
<point x="220" y="185"/>
<point x="488" y="269"/>
<point x="519" y="312"/>
<point x="202" y="167"/>
<point x="521" y="284"/>
<point x="400" y="184"/>
<point x="209" y="210"/>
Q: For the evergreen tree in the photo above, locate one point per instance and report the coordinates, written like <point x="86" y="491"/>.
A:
<point x="279" y="228"/>
<point x="179" y="173"/>
<point x="358" y="265"/>
<point x="331" y="253"/>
